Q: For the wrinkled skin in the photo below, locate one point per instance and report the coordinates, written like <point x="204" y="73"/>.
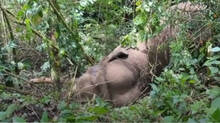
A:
<point x="122" y="76"/>
<point x="115" y="78"/>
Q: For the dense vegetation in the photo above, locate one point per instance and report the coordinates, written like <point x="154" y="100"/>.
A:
<point x="59" y="37"/>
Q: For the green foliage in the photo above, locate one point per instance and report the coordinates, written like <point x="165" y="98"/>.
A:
<point x="6" y="114"/>
<point x="213" y="64"/>
<point x="18" y="120"/>
<point x="187" y="91"/>
<point x="147" y="21"/>
<point x="93" y="112"/>
<point x="44" y="117"/>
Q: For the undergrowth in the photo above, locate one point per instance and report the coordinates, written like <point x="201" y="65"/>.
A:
<point x="186" y="91"/>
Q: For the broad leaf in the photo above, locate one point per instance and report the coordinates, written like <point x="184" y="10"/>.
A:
<point x="44" y="117"/>
<point x="168" y="119"/>
<point x="216" y="115"/>
<point x="216" y="103"/>
<point x="140" y="19"/>
<point x="213" y="92"/>
<point x="3" y="116"/>
<point x="211" y="62"/>
<point x="11" y="108"/>
<point x="215" y="49"/>
<point x="99" y="110"/>
<point x="191" y="121"/>
<point x="213" y="70"/>
<point x="19" y="120"/>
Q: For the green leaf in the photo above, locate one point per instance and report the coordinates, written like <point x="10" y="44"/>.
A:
<point x="66" y="113"/>
<point x="192" y="81"/>
<point x="142" y="35"/>
<point x="45" y="99"/>
<point x="44" y="117"/>
<point x="205" y="120"/>
<point x="216" y="115"/>
<point x="209" y="63"/>
<point x="196" y="107"/>
<point x="216" y="103"/>
<point x="62" y="105"/>
<point x="215" y="49"/>
<point x="168" y="119"/>
<point x="37" y="18"/>
<point x="213" y="70"/>
<point x="19" y="120"/>
<point x="191" y="121"/>
<point x="21" y="12"/>
<point x="3" y="116"/>
<point x="10" y="109"/>
<point x="140" y="19"/>
<point x="28" y="29"/>
<point x="217" y="78"/>
<point x="213" y="92"/>
<point x="139" y="2"/>
<point x="99" y="110"/>
<point x="86" y="117"/>
<point x="45" y="66"/>
<point x="100" y="102"/>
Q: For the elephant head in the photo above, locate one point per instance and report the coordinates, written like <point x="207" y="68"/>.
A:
<point x="117" y="78"/>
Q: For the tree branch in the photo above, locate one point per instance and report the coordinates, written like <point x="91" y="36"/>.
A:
<point x="12" y="39"/>
<point x="76" y="35"/>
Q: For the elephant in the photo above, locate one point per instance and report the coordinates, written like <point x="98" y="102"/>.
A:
<point x="123" y="76"/>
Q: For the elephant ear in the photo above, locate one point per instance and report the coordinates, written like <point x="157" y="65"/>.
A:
<point x="118" y="55"/>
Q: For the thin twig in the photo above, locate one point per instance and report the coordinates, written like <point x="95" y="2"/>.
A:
<point x="73" y="85"/>
<point x="16" y="76"/>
